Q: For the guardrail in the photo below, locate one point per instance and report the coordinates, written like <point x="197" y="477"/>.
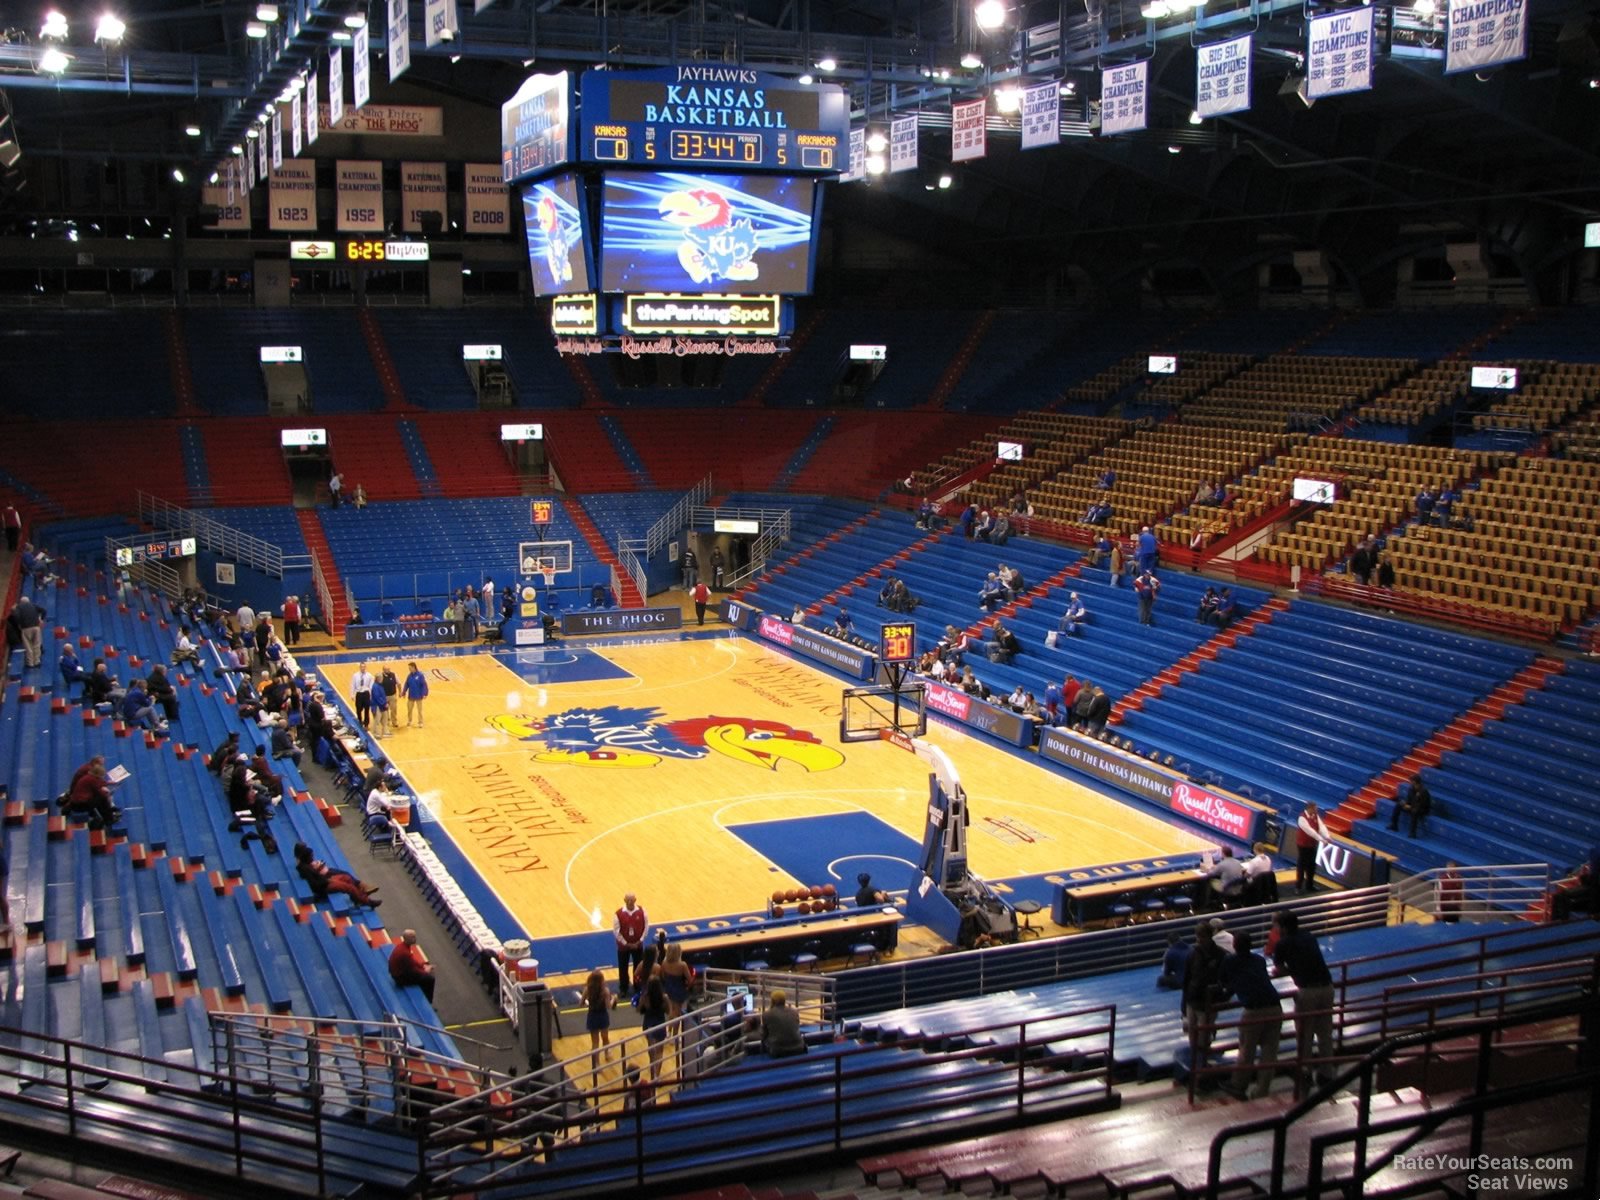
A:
<point x="152" y="572"/>
<point x="676" y="518"/>
<point x="241" y="547"/>
<point x="1485" y="893"/>
<point x="776" y="526"/>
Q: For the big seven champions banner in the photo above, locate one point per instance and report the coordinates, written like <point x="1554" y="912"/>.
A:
<point x="1124" y="92"/>
<point x="488" y="202"/>
<point x="359" y="196"/>
<point x="1041" y="115"/>
<point x="1339" y="53"/>
<point x="1222" y="77"/>
<point x="1485" y="33"/>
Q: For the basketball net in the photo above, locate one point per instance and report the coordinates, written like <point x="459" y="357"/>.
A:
<point x="549" y="578"/>
<point x="898" y="737"/>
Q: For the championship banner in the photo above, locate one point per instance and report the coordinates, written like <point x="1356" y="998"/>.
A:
<point x="1041" y="116"/>
<point x="296" y="130"/>
<point x="903" y="144"/>
<point x="335" y="85"/>
<point x="536" y="125"/>
<point x="250" y="169"/>
<point x="967" y="132"/>
<point x="857" y="170"/>
<point x="1222" y="77"/>
<point x="261" y="152"/>
<point x="1485" y="33"/>
<point x="231" y="172"/>
<point x="359" y="196"/>
<point x="421" y="191"/>
<point x="1123" y="92"/>
<point x="275" y="122"/>
<point x="440" y="22"/>
<point x="361" y="73"/>
<point x="399" y="38"/>
<point x="313" y="126"/>
<point x="488" y="206"/>
<point x="233" y="208"/>
<point x="479" y="5"/>
<point x="1339" y="53"/>
<point x="292" y="196"/>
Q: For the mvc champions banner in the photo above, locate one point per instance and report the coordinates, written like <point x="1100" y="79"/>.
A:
<point x="359" y="196"/>
<point x="335" y="85"/>
<point x="1123" y="92"/>
<point x="233" y="208"/>
<point x="1222" y="77"/>
<point x="967" y="132"/>
<point x="1041" y="116"/>
<point x="399" y="38"/>
<point x="440" y="19"/>
<point x="361" y="72"/>
<point x="292" y="196"/>
<point x="421" y="191"/>
<point x="903" y="144"/>
<point x="1485" y="33"/>
<point x="1339" y="53"/>
<point x="488" y="207"/>
<point x="857" y="167"/>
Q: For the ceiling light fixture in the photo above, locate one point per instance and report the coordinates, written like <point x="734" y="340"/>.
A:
<point x="876" y="142"/>
<point x="1068" y="88"/>
<point x="252" y="132"/>
<point x="255" y="29"/>
<point x="1174" y="149"/>
<point x="52" y="61"/>
<point x="177" y="174"/>
<point x="191" y="130"/>
<point x="970" y="61"/>
<point x="990" y="14"/>
<point x="238" y="149"/>
<point x="1008" y="99"/>
<point x="109" y="29"/>
<point x="1194" y="116"/>
<point x="341" y="35"/>
<point x="356" y="21"/>
<point x="944" y="182"/>
<point x="806" y="80"/>
<point x="829" y="63"/>
<point x="267" y="13"/>
<point x="875" y="164"/>
<point x="1154" y="10"/>
<point x="54" y="27"/>
<point x="215" y="175"/>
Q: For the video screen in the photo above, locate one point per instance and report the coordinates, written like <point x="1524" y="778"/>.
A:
<point x="664" y="231"/>
<point x="1499" y="378"/>
<point x="554" y="217"/>
<point x="1163" y="364"/>
<point x="1008" y="451"/>
<point x="1315" y="491"/>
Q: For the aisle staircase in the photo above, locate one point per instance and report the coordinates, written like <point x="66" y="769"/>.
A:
<point x="756" y="397"/>
<point x="178" y="365"/>
<point x="1243" y="627"/>
<point x="588" y="390"/>
<point x="317" y="546"/>
<point x="628" y="595"/>
<point x="946" y="386"/>
<point x="421" y="461"/>
<point x="1364" y="802"/>
<point x="393" y="391"/>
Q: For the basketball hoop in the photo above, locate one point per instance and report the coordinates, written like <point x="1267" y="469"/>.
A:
<point x="898" y="737"/>
<point x="549" y="574"/>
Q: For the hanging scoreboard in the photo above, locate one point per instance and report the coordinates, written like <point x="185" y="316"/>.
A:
<point x="710" y="116"/>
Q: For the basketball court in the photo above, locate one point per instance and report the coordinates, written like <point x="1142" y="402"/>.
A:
<point x="704" y="773"/>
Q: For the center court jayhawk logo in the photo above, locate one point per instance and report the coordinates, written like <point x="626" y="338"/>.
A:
<point x="638" y="737"/>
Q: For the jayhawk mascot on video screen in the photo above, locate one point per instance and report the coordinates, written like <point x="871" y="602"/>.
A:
<point x="715" y="246"/>
<point x="555" y="240"/>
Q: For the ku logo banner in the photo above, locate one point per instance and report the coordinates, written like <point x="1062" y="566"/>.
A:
<point x="638" y="737"/>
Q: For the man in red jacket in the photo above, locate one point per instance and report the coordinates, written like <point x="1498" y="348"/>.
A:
<point x="408" y="965"/>
<point x="701" y="595"/>
<point x="629" y="928"/>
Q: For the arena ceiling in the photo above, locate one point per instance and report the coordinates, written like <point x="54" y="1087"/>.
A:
<point x="1510" y="157"/>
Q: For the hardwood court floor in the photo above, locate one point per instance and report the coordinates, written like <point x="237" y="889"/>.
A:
<point x="704" y="775"/>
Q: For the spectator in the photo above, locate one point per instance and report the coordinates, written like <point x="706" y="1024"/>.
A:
<point x="1362" y="562"/>
<point x="1417" y="804"/>
<point x="1015" y="700"/>
<point x="1310" y="833"/>
<point x="324" y="880"/>
<point x="283" y="744"/>
<point x="1449" y="893"/>
<point x="1006" y="642"/>
<point x="1107" y="480"/>
<point x="798" y="616"/>
<point x="1202" y="493"/>
<point x="1385" y="572"/>
<point x="1075" y="615"/>
<point x="1011" y="579"/>
<point x="1002" y="528"/>
<point x="139" y="709"/>
<point x="185" y="651"/>
<point x="1052" y="702"/>
<point x="261" y="767"/>
<point x="1244" y="975"/>
<point x="90" y="793"/>
<point x="1099" y="512"/>
<point x="701" y="595"/>
<point x="408" y="965"/>
<point x="780" y="1028"/>
<point x="1077" y="702"/>
<point x="30" y="623"/>
<point x="224" y="754"/>
<point x="1424" y="504"/>
<point x="1442" y="506"/>
<point x="1099" y="710"/>
<point x="1219" y="494"/>
<point x="1202" y="973"/>
<point x="984" y="527"/>
<point x="101" y="688"/>
<point x="925" y="514"/>
<point x="291" y="620"/>
<point x="36" y="566"/>
<point x="359" y="499"/>
<point x="247" y="795"/>
<point x="162" y="691"/>
<point x="842" y="624"/>
<point x="1224" y="881"/>
<point x="1115" y="561"/>
<point x="71" y="669"/>
<point x="1297" y="955"/>
<point x="1174" y="962"/>
<point x="992" y="594"/>
<point x="691" y="568"/>
<point x="969" y="683"/>
<point x="12" y="520"/>
<point x="1100" y="552"/>
<point x="1226" y="607"/>
<point x="969" y="516"/>
<point x="1146" y="588"/>
<point x="381" y="800"/>
<point x="1207" y="609"/>
<point x="1260" y="880"/>
<point x="1148" y="550"/>
<point x="335" y="489"/>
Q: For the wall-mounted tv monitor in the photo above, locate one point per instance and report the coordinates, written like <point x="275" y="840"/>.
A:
<point x="1008" y="451"/>
<point x="1502" y="379"/>
<point x="1315" y="491"/>
<point x="482" y="353"/>
<point x="869" y="353"/>
<point x="301" y="439"/>
<point x="522" y="433"/>
<point x="1163" y="364"/>
<point x="1591" y="234"/>
<point x="281" y="354"/>
<point x="668" y="231"/>
<point x="556" y="221"/>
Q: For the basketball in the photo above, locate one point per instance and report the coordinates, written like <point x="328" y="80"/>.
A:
<point x="829" y="890"/>
<point x="777" y="910"/>
<point x="777" y="896"/>
<point x="792" y="895"/>
<point x="816" y="892"/>
<point x="805" y="908"/>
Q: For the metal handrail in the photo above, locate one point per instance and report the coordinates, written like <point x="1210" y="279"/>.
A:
<point x="1487" y="892"/>
<point x="222" y="539"/>
<point x="677" y="517"/>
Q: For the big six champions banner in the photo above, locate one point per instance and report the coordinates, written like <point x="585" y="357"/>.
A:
<point x="903" y="144"/>
<point x="359" y="196"/>
<point x="1041" y="115"/>
<point x="296" y="130"/>
<point x="488" y="201"/>
<point x="1485" y="33"/>
<point x="1339" y="53"/>
<point x="1222" y="77"/>
<point x="967" y="133"/>
<point x="1124" y="106"/>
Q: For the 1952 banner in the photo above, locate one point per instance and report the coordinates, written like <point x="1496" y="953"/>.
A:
<point x="903" y="144"/>
<point x="1485" y="33"/>
<point x="1339" y="53"/>
<point x="359" y="196"/>
<point x="1222" y="77"/>
<point x="967" y="132"/>
<point x="1041" y="115"/>
<point x="292" y="196"/>
<point x="421" y="191"/>
<point x="488" y="206"/>
<point x="1124" y="92"/>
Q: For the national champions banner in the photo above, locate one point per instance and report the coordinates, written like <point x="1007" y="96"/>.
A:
<point x="233" y="206"/>
<point x="361" y="71"/>
<point x="292" y="196"/>
<point x="857" y="168"/>
<point x="335" y="84"/>
<point x="488" y="201"/>
<point x="359" y="196"/>
<point x="967" y="132"/>
<point x="1041" y="116"/>
<point x="1485" y="33"/>
<point x="1123" y="93"/>
<point x="421" y="191"/>
<point x="1222" y="77"/>
<point x="1339" y="53"/>
<point x="903" y="144"/>
<point x="399" y="38"/>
